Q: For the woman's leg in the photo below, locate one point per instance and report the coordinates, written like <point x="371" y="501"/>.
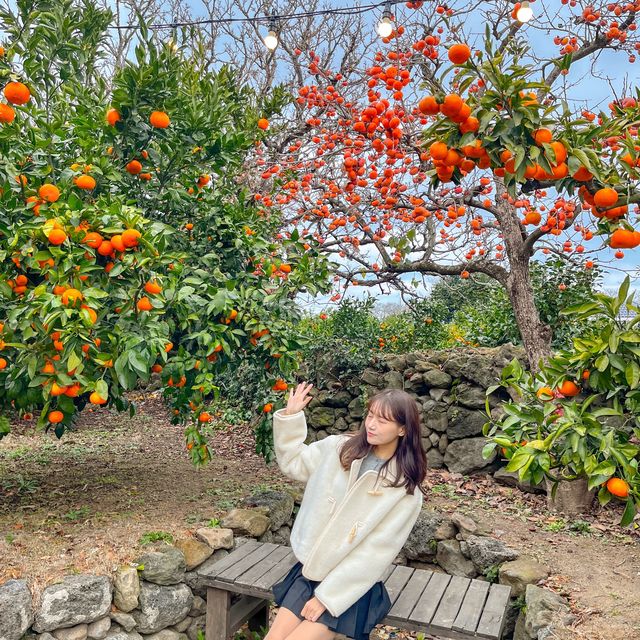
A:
<point x="284" y="623"/>
<point x="308" y="630"/>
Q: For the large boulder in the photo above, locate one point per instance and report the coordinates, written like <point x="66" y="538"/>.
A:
<point x="322" y="417"/>
<point x="467" y="526"/>
<point x="246" y="522"/>
<point x="470" y="396"/>
<point x="197" y="579"/>
<point x="126" y="588"/>
<point x="486" y="552"/>
<point x="161" y="606"/>
<point x="356" y="408"/>
<point x="430" y="527"/>
<point x="521" y="572"/>
<point x="77" y="599"/>
<point x="436" y="378"/>
<point x="435" y="417"/>
<point x="79" y="632"/>
<point x="16" y="611"/>
<point x="217" y="537"/>
<point x="464" y="423"/>
<point x="328" y="398"/>
<point x="397" y="361"/>
<point x="98" y="630"/>
<point x="393" y="380"/>
<point x="415" y="383"/>
<point x="371" y="377"/>
<point x="435" y="460"/>
<point x="195" y="552"/>
<point x="278" y="504"/>
<point x="125" y="620"/>
<point x="464" y="456"/>
<point x="543" y="608"/>
<point x="450" y="558"/>
<point x="164" y="564"/>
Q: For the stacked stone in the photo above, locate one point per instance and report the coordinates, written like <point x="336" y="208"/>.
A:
<point x="450" y="387"/>
<point x="149" y="598"/>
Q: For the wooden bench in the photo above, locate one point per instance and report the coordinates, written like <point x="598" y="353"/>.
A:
<point x="431" y="602"/>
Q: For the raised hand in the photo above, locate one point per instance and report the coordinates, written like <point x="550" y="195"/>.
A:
<point x="299" y="398"/>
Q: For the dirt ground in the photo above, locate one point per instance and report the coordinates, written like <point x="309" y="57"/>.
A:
<point x="83" y="504"/>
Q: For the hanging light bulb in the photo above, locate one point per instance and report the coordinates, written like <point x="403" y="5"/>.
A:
<point x="385" y="26"/>
<point x="524" y="13"/>
<point x="271" y="39"/>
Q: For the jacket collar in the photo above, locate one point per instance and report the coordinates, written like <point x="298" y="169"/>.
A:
<point x="390" y="473"/>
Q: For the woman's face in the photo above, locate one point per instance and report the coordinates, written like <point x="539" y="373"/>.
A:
<point x="381" y="430"/>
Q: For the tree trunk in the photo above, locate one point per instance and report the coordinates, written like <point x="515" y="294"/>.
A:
<point x="536" y="336"/>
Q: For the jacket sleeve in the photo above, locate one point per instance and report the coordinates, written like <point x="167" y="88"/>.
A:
<point x="296" y="459"/>
<point x="366" y="564"/>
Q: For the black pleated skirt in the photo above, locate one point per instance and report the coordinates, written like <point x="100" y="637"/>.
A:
<point x="357" y="622"/>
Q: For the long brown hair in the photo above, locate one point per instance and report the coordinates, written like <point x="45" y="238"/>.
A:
<point x="399" y="406"/>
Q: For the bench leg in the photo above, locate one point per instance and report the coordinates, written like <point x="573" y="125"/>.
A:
<point x="260" y="618"/>
<point x="218" y="614"/>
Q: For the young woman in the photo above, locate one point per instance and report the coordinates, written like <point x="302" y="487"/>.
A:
<point x="362" y="497"/>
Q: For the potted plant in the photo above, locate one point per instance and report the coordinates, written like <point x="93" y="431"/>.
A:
<point x="574" y="424"/>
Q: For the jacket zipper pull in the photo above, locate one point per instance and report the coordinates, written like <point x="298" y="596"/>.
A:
<point x="374" y="491"/>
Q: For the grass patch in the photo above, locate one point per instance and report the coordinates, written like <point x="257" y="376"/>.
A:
<point x="155" y="536"/>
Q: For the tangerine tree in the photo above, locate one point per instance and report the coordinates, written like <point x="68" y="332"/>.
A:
<point x="461" y="150"/>
<point x="128" y="243"/>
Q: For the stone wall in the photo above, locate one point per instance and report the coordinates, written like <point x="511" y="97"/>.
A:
<point x="161" y="594"/>
<point x="449" y="385"/>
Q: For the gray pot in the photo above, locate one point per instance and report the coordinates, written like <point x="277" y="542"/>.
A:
<point x="572" y="496"/>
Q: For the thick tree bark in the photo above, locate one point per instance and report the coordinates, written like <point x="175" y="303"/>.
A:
<point x="536" y="336"/>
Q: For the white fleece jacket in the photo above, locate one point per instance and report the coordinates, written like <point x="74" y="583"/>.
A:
<point x="348" y="530"/>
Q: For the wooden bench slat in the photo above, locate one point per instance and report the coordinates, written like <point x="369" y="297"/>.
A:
<point x="396" y="581"/>
<point x="450" y="603"/>
<point x="231" y="573"/>
<point x="472" y="606"/>
<point x="249" y="577"/>
<point x="410" y="595"/>
<point x="275" y="574"/>
<point x="230" y="559"/>
<point x="430" y="598"/>
<point x="494" y="612"/>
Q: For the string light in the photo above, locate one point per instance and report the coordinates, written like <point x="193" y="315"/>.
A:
<point x="271" y="39"/>
<point x="385" y="26"/>
<point x="524" y="13"/>
<point x="345" y="11"/>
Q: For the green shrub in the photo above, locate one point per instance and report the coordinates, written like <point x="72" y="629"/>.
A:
<point x="578" y="416"/>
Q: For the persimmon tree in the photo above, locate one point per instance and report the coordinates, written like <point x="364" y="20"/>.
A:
<point x="450" y="152"/>
<point x="129" y="245"/>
